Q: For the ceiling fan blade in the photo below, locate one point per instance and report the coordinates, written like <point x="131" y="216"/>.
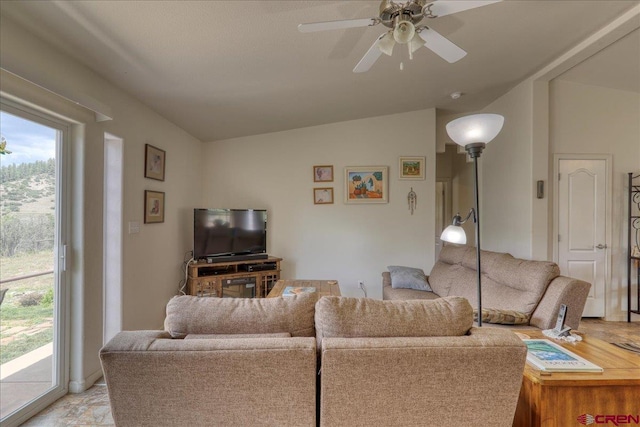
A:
<point x="444" y="7"/>
<point x="441" y="45"/>
<point x="336" y="25"/>
<point x="370" y="57"/>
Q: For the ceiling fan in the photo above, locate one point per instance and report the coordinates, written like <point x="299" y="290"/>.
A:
<point x="402" y="19"/>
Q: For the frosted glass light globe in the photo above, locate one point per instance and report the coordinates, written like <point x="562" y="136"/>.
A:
<point x="475" y="128"/>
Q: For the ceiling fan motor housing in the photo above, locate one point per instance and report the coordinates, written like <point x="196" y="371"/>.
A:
<point x="391" y="12"/>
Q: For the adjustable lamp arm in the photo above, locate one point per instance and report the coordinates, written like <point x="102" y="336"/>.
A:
<point x="458" y="221"/>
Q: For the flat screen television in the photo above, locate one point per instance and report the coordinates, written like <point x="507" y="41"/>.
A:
<point x="229" y="234"/>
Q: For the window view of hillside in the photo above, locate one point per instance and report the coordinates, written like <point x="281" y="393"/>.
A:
<point x="27" y="234"/>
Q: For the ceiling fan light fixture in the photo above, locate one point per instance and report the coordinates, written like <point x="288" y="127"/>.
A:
<point x="404" y="32"/>
<point x="415" y="43"/>
<point x="386" y="44"/>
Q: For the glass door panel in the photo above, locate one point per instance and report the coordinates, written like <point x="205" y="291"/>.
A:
<point x="30" y="280"/>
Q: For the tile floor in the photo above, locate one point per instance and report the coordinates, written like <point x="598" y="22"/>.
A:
<point x="91" y="408"/>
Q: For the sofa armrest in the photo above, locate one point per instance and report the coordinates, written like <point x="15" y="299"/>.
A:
<point x="561" y="290"/>
<point x="154" y="380"/>
<point x="386" y="279"/>
<point x="426" y="381"/>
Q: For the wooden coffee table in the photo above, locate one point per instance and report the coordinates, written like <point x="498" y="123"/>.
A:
<point x="558" y="399"/>
<point x="323" y="287"/>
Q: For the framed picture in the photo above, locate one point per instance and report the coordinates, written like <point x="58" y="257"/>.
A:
<point x="411" y="167"/>
<point x="323" y="196"/>
<point x="366" y="184"/>
<point x="153" y="207"/>
<point x="154" y="162"/>
<point x="323" y="173"/>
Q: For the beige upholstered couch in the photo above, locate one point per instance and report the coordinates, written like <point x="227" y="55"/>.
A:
<point x="414" y="363"/>
<point x="247" y="374"/>
<point x="230" y="362"/>
<point x="533" y="289"/>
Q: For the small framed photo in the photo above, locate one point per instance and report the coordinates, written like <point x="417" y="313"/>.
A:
<point x="323" y="196"/>
<point x="366" y="184"/>
<point x="154" y="162"/>
<point x="412" y="167"/>
<point x="323" y="173"/>
<point x="153" y="207"/>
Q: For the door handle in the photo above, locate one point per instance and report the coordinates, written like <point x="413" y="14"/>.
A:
<point x="601" y="246"/>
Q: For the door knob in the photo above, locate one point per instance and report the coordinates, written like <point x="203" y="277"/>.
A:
<point x="601" y="246"/>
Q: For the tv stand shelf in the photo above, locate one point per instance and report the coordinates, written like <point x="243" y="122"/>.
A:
<point x="233" y="278"/>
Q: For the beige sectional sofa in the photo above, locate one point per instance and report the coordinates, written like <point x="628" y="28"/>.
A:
<point x="253" y="362"/>
<point x="530" y="291"/>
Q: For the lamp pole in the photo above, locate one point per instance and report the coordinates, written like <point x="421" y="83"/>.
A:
<point x="475" y="150"/>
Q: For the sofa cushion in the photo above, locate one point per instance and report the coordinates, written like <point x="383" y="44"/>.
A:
<point x="502" y="317"/>
<point x="508" y="283"/>
<point x="363" y="317"/>
<point x="408" y="277"/>
<point x="193" y="315"/>
<point x="232" y="336"/>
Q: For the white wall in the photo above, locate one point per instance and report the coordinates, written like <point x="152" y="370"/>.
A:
<point x="339" y="241"/>
<point x="595" y="120"/>
<point x="506" y="177"/>
<point x="152" y="257"/>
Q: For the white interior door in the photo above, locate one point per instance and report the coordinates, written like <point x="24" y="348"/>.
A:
<point x="582" y="246"/>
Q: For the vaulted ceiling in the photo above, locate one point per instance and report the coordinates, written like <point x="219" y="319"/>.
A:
<point x="227" y="69"/>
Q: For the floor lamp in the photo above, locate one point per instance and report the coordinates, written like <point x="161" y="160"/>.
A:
<point x="473" y="133"/>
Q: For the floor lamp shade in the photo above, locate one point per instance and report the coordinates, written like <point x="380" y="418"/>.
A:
<point x="475" y="128"/>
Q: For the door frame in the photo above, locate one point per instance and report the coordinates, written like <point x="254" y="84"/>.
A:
<point x="448" y="209"/>
<point x="608" y="158"/>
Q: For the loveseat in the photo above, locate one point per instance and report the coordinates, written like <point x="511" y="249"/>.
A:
<point x="514" y="291"/>
<point x="231" y="362"/>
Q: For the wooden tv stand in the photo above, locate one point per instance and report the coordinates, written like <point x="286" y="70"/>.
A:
<point x="220" y="279"/>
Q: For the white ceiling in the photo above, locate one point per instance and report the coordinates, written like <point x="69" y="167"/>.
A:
<point x="227" y="69"/>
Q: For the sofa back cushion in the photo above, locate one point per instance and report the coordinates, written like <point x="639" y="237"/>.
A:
<point x="235" y="336"/>
<point x="193" y="315"/>
<point x="363" y="317"/>
<point x="508" y="283"/>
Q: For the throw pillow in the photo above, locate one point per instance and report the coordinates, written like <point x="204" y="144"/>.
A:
<point x="409" y="278"/>
<point x="502" y="317"/>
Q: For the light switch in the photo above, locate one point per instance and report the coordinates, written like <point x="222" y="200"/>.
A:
<point x="134" y="227"/>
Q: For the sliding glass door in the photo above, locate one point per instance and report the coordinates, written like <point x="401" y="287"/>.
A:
<point x="33" y="307"/>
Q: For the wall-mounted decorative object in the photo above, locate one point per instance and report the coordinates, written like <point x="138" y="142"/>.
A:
<point x="154" y="162"/>
<point x="323" y="196"/>
<point x="411" y="167"/>
<point x="153" y="207"/>
<point x="366" y="184"/>
<point x="412" y="199"/>
<point x="323" y="173"/>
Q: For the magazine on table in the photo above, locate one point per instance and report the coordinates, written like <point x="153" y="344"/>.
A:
<point x="297" y="290"/>
<point x="551" y="357"/>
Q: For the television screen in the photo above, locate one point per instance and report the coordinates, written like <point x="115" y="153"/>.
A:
<point x="229" y="232"/>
